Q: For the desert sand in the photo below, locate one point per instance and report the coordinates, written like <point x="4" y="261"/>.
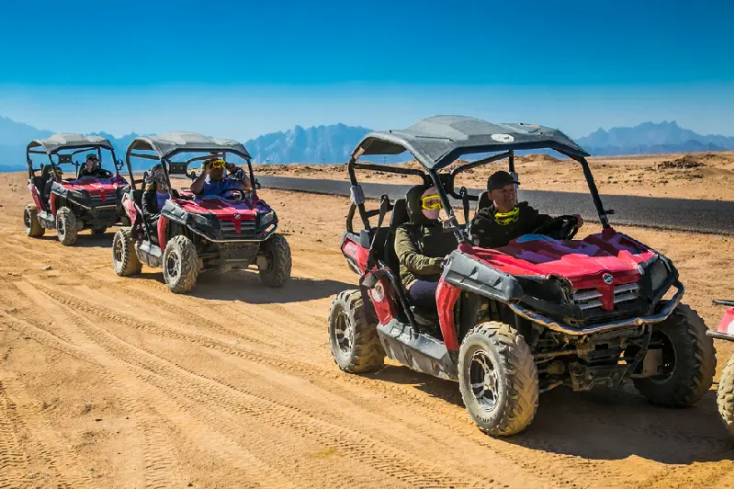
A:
<point x="109" y="382"/>
<point x="686" y="176"/>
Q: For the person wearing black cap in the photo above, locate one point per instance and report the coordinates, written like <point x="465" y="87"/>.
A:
<point x="505" y="219"/>
<point x="92" y="169"/>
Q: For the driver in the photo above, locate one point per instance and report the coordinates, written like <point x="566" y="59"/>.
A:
<point x="212" y="180"/>
<point x="421" y="246"/>
<point x="504" y="220"/>
<point x="92" y="169"/>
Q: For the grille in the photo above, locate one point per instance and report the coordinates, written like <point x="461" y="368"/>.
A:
<point x="96" y="200"/>
<point x="247" y="228"/>
<point x="589" y="298"/>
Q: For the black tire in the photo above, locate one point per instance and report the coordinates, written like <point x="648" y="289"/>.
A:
<point x="124" y="258"/>
<point x="180" y="264"/>
<point x="277" y="272"/>
<point x="99" y="231"/>
<point x="66" y="226"/>
<point x="509" y="383"/>
<point x="725" y="395"/>
<point x="690" y="355"/>
<point x="33" y="228"/>
<point x="354" y="342"/>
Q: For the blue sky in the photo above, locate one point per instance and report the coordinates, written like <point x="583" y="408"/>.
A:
<point x="240" y="69"/>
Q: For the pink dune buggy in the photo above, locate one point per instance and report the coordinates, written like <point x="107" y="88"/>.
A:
<point x="70" y="205"/>
<point x="511" y="323"/>
<point x="197" y="233"/>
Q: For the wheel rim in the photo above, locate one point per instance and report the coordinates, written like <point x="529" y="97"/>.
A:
<point x="172" y="265"/>
<point x="27" y="219"/>
<point x="484" y="380"/>
<point x="662" y="340"/>
<point x="343" y="333"/>
<point x="118" y="250"/>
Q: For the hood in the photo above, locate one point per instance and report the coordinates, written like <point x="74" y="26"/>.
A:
<point x="224" y="210"/>
<point x="413" y="203"/>
<point x="102" y="187"/>
<point x="582" y="262"/>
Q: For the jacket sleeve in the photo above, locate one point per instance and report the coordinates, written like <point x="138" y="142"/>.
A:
<point x="537" y="219"/>
<point x="409" y="256"/>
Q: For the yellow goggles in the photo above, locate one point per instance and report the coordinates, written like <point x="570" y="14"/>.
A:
<point x="431" y="202"/>
<point x="505" y="218"/>
<point x="217" y="164"/>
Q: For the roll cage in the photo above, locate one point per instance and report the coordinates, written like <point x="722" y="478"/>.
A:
<point x="438" y="141"/>
<point x="168" y="145"/>
<point x="58" y="145"/>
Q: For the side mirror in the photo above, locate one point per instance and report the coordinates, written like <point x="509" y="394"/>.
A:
<point x="192" y="175"/>
<point x="257" y="184"/>
<point x="119" y="165"/>
<point x="609" y="212"/>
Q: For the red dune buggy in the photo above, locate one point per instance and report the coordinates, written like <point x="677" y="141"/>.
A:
<point x="725" y="392"/>
<point x="70" y="205"/>
<point x="196" y="233"/>
<point x="511" y="323"/>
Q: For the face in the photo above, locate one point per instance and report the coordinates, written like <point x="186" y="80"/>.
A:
<point x="431" y="204"/>
<point x="216" y="172"/>
<point x="91" y="164"/>
<point x="504" y="198"/>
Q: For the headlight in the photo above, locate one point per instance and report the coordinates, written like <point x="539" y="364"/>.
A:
<point x="78" y="195"/>
<point x="200" y="220"/>
<point x="658" y="274"/>
<point x="266" y="219"/>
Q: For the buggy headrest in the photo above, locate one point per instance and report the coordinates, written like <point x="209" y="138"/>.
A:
<point x="484" y="200"/>
<point x="399" y="214"/>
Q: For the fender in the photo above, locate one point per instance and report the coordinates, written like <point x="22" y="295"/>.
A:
<point x="162" y="226"/>
<point x="446" y="297"/>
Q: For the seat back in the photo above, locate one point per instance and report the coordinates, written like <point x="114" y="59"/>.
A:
<point x="399" y="216"/>
<point x="484" y="200"/>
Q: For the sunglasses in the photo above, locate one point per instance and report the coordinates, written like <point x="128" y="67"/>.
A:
<point x="218" y="164"/>
<point x="431" y="202"/>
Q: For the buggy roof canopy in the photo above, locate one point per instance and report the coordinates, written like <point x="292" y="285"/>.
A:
<point x="169" y="143"/>
<point x="58" y="142"/>
<point x="437" y="141"/>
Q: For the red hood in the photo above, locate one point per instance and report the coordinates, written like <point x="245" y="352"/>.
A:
<point x="103" y="187"/>
<point x="582" y="262"/>
<point x="225" y="210"/>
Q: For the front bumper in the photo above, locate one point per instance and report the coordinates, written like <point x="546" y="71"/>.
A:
<point x="269" y="230"/>
<point x="542" y="320"/>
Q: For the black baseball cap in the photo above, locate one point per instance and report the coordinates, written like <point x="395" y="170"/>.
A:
<point x="499" y="179"/>
<point x="92" y="157"/>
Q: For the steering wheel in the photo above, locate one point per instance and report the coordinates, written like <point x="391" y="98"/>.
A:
<point x="241" y="195"/>
<point x="561" y="227"/>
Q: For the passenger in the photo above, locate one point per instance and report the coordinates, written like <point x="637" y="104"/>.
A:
<point x="92" y="168"/>
<point x="155" y="196"/>
<point x="212" y="180"/>
<point x="504" y="220"/>
<point x="422" y="246"/>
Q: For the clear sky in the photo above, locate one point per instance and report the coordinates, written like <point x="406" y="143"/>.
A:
<point x="240" y="69"/>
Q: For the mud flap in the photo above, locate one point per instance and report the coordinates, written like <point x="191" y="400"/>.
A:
<point x="651" y="363"/>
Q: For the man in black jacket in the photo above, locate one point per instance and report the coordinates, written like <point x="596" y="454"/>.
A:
<point x="504" y="220"/>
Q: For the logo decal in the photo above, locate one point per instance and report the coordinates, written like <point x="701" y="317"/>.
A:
<point x="608" y="278"/>
<point x="236" y="216"/>
<point x="503" y="138"/>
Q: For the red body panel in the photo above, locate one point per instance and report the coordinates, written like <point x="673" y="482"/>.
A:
<point x="382" y="298"/>
<point x="225" y="210"/>
<point x="446" y="297"/>
<point x="356" y="253"/>
<point x="104" y="187"/>
<point x="129" y="205"/>
<point x="36" y="197"/>
<point x="582" y="262"/>
<point x="162" y="224"/>
<point x="52" y="203"/>
<point x="726" y="325"/>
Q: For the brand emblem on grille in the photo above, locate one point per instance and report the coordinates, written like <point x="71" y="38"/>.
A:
<point x="236" y="216"/>
<point x="608" y="278"/>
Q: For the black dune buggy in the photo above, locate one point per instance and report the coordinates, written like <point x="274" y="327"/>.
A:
<point x="196" y="233"/>
<point x="70" y="205"/>
<point x="510" y="323"/>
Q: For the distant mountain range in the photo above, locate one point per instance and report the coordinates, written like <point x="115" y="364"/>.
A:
<point x="334" y="143"/>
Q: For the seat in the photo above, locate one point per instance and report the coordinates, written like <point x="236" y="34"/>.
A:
<point x="400" y="216"/>
<point x="484" y="200"/>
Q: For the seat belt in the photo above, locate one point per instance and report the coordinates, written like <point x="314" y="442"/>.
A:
<point x="465" y="201"/>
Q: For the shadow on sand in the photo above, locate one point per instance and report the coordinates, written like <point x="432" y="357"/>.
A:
<point x="245" y="286"/>
<point x="84" y="240"/>
<point x="604" y="424"/>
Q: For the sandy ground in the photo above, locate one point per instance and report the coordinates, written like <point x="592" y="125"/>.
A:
<point x="109" y="382"/>
<point x="692" y="176"/>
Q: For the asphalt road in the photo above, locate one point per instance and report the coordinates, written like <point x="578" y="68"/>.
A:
<point x="703" y="216"/>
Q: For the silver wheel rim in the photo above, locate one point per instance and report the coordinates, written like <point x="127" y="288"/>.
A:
<point x="343" y="333"/>
<point x="484" y="380"/>
<point x="118" y="250"/>
<point x="172" y="265"/>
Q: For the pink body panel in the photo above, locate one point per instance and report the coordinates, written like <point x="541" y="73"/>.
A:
<point x="726" y="325"/>
<point x="446" y="297"/>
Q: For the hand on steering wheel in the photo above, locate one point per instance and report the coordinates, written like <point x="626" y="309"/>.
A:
<point x="562" y="227"/>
